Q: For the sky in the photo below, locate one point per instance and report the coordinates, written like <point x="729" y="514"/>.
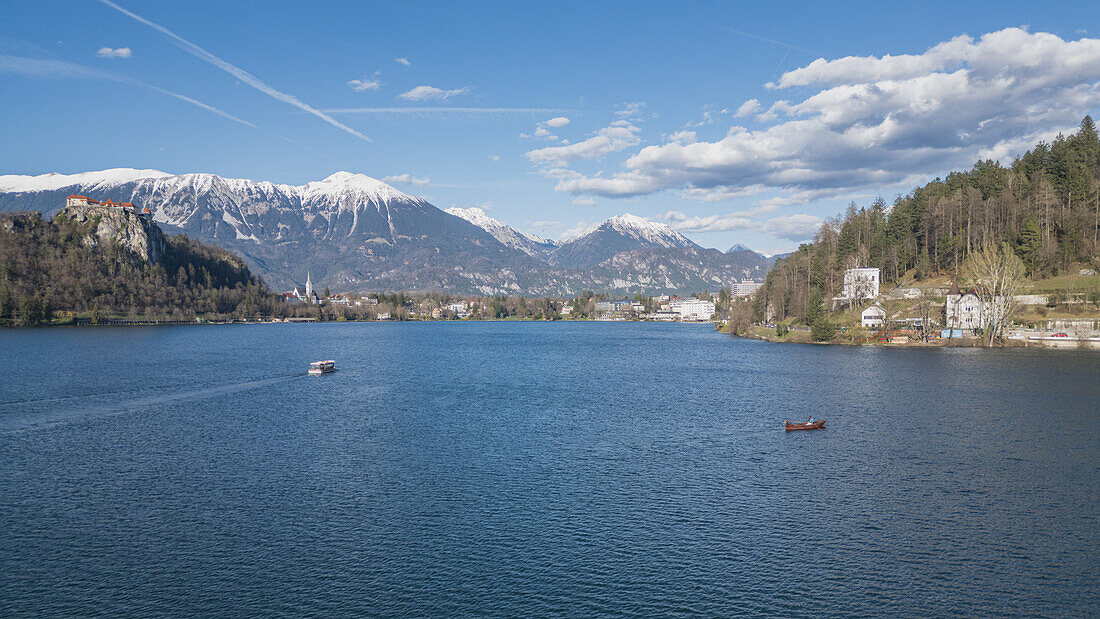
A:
<point x="732" y="122"/>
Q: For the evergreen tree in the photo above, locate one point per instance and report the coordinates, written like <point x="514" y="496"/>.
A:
<point x="1029" y="244"/>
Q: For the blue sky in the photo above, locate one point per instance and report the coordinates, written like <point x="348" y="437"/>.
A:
<point x="731" y="122"/>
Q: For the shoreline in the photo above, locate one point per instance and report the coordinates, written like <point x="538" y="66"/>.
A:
<point x="1069" y="344"/>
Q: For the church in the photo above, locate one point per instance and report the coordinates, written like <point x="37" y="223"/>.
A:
<point x="302" y="294"/>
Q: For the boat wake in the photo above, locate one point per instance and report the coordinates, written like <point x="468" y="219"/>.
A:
<point x="61" y="415"/>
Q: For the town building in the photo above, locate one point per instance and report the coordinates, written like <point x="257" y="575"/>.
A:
<point x="566" y="309"/>
<point x="693" y="309"/>
<point x="610" y="307"/>
<point x="861" y="283"/>
<point x="662" y="316"/>
<point x="873" y="317"/>
<point x="746" y="288"/>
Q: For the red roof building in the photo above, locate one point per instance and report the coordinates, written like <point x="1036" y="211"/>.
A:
<point x="79" y="200"/>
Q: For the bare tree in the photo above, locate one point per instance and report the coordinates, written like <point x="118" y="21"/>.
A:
<point x="997" y="273"/>
<point x="924" y="311"/>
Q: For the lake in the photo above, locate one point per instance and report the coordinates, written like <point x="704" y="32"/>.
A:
<point x="540" y="469"/>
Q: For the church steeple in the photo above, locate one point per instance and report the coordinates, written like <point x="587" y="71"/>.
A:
<point x="309" y="286"/>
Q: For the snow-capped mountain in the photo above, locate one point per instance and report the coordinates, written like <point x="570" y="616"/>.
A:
<point x="620" y="233"/>
<point x="353" y="232"/>
<point x="348" y="230"/>
<point x="529" y="244"/>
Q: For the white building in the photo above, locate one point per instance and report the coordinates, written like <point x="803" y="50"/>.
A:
<point x="566" y="309"/>
<point x="873" y="317"/>
<point x="861" y="284"/>
<point x="693" y="309"/>
<point x="746" y="287"/>
<point x="966" y="311"/>
<point x="608" y="307"/>
<point x="662" y="316"/>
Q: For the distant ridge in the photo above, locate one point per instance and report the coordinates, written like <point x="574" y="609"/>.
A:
<point x="355" y="232"/>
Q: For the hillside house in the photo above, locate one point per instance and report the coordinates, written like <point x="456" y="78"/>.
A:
<point x="965" y="310"/>
<point x="873" y="317"/>
<point x="861" y="283"/>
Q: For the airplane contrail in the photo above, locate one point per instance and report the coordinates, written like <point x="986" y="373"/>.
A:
<point x="238" y="72"/>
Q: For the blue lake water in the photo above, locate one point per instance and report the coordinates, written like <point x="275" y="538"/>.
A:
<point x="540" y="469"/>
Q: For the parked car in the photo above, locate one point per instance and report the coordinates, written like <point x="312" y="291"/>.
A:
<point x="1060" y="335"/>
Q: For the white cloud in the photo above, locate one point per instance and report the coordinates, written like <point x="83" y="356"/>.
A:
<point x="494" y="157"/>
<point x="707" y="223"/>
<point x="542" y="128"/>
<point x="407" y="179"/>
<point x="424" y="93"/>
<point x="545" y="225"/>
<point x="580" y="229"/>
<point x="721" y="193"/>
<point x="878" y="122"/>
<point x="583" y="201"/>
<point x="468" y="112"/>
<point x="801" y="227"/>
<point x="404" y="61"/>
<point x="747" y="108"/>
<point x="630" y="110"/>
<point x="364" y="84"/>
<point x="683" y="137"/>
<point x="739" y="220"/>
<point x="118" y="52"/>
<point x="606" y="140"/>
<point x="238" y="73"/>
<point x="709" y="117"/>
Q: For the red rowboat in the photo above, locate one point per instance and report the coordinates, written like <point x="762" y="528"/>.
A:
<point x="817" y="424"/>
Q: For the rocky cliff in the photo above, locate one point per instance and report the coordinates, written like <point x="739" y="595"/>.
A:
<point x="109" y="225"/>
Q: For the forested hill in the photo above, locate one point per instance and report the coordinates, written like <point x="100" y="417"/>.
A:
<point x="1046" y="206"/>
<point x="106" y="262"/>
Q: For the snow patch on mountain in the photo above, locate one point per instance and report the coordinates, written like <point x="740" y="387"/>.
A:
<point x="642" y="229"/>
<point x="529" y="244"/>
<point x="16" y="183"/>
<point x="358" y="186"/>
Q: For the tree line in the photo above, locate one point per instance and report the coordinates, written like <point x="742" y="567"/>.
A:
<point x="47" y="268"/>
<point x="1045" y="207"/>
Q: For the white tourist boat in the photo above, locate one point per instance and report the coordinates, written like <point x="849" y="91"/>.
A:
<point x="322" y="367"/>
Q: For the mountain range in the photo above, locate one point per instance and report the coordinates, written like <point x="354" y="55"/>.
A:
<point x="353" y="232"/>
